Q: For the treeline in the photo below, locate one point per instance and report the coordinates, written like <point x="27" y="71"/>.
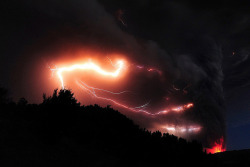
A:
<point x="61" y="132"/>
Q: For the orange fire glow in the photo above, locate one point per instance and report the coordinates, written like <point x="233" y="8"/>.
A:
<point x="218" y="147"/>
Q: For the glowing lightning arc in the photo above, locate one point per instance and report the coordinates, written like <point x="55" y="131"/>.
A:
<point x="91" y="90"/>
<point x="88" y="66"/>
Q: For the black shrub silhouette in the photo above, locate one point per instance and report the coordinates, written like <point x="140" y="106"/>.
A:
<point x="60" y="132"/>
<point x="63" y="98"/>
<point x="22" y="102"/>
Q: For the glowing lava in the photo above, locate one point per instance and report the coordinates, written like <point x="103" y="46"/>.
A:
<point x="218" y="147"/>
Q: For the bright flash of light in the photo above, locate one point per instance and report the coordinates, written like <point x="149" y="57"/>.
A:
<point x="176" y="109"/>
<point x="88" y="66"/>
<point x="183" y="129"/>
<point x="183" y="108"/>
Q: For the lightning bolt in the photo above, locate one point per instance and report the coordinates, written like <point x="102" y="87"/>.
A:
<point x="88" y="66"/>
<point x="92" y="90"/>
<point x="104" y="90"/>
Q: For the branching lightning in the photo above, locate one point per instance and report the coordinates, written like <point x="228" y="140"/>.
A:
<point x="103" y="90"/>
<point x="142" y="108"/>
<point x="92" y="92"/>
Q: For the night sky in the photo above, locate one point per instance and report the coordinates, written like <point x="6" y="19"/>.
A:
<point x="202" y="46"/>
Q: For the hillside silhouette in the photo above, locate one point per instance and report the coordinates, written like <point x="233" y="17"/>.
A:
<point x="234" y="158"/>
<point x="61" y="132"/>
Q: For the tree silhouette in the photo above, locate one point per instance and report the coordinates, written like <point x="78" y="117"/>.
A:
<point x="63" y="98"/>
<point x="22" y="102"/>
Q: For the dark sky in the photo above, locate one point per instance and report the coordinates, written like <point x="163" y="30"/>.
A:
<point x="203" y="43"/>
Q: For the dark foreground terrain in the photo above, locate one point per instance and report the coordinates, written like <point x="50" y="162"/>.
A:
<point x="234" y="158"/>
<point x="61" y="132"/>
